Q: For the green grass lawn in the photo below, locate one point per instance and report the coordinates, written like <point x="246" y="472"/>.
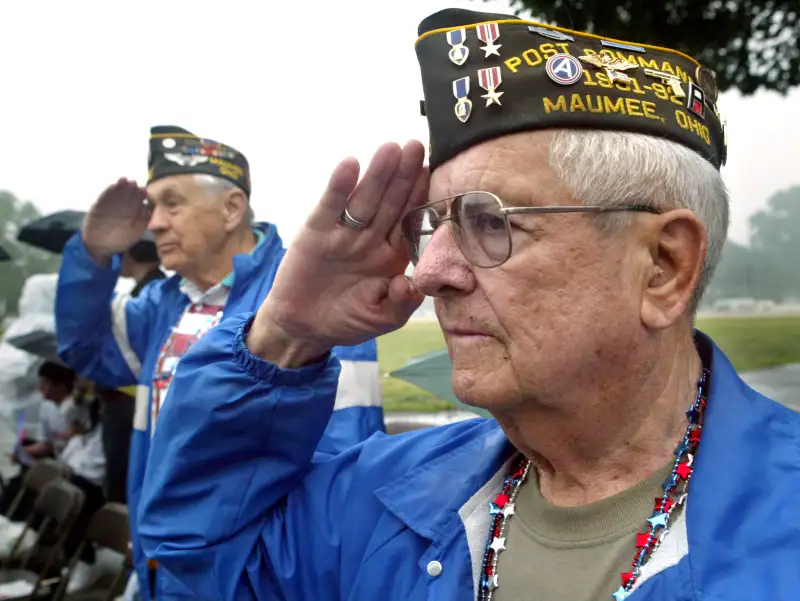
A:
<point x="750" y="343"/>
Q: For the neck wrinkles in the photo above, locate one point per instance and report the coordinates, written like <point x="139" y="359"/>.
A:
<point x="221" y="263"/>
<point x="623" y="434"/>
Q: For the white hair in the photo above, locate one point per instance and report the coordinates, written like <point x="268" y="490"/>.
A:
<point x="608" y="168"/>
<point x="214" y="187"/>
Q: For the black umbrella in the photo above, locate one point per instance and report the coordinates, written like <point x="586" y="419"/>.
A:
<point x="52" y="232"/>
<point x="40" y="343"/>
<point x="4" y="256"/>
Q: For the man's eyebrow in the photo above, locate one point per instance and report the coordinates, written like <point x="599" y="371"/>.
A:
<point x="166" y="194"/>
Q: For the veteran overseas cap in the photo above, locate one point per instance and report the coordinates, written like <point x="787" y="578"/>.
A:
<point x="176" y="151"/>
<point x="486" y="75"/>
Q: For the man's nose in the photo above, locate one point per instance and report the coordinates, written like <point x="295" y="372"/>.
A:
<point x="442" y="268"/>
<point x="158" y="219"/>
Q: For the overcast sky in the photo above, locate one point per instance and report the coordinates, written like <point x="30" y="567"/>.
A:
<point x="295" y="86"/>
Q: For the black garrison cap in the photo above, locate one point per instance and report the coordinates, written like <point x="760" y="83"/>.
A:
<point x="485" y="75"/>
<point x="176" y="151"/>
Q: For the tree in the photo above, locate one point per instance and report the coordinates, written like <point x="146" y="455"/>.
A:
<point x="769" y="267"/>
<point x="734" y="276"/>
<point x="26" y="261"/>
<point x="751" y="44"/>
<point x="775" y="242"/>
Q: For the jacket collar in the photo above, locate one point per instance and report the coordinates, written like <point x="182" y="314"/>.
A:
<point x="727" y="473"/>
<point x="742" y="505"/>
<point x="425" y="499"/>
<point x="265" y="257"/>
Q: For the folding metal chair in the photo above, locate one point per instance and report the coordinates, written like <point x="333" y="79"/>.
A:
<point x="38" y="475"/>
<point x="109" y="528"/>
<point x="58" y="505"/>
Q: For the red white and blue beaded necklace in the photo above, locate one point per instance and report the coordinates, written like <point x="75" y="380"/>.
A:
<point x="676" y="488"/>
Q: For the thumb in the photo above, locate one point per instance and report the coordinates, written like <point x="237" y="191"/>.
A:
<point x="404" y="297"/>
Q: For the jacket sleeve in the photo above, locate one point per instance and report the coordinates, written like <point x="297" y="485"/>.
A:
<point x="358" y="408"/>
<point x="238" y="436"/>
<point x="101" y="335"/>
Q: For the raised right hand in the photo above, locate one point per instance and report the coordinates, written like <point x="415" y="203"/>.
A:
<point x="116" y="221"/>
<point x="339" y="286"/>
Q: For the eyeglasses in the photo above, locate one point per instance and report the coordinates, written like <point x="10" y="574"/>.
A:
<point x="480" y="225"/>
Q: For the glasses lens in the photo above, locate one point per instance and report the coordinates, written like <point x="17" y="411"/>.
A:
<point x="418" y="227"/>
<point x="481" y="229"/>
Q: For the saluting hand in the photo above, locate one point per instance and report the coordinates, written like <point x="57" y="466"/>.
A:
<point x="116" y="221"/>
<point x="343" y="284"/>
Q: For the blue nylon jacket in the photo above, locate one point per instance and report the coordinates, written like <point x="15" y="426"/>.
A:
<point x="261" y="515"/>
<point x="114" y="340"/>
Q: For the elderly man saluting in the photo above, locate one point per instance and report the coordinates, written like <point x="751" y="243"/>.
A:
<point x="197" y="204"/>
<point x="567" y="244"/>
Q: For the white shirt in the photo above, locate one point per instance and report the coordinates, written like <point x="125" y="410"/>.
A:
<point x="85" y="457"/>
<point x="55" y="420"/>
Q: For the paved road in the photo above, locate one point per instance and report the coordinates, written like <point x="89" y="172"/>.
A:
<point x="779" y="383"/>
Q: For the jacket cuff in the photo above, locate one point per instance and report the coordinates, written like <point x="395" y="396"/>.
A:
<point x="269" y="372"/>
<point x="84" y="259"/>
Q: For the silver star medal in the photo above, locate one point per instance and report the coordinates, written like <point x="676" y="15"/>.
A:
<point x="490" y="79"/>
<point x="488" y="33"/>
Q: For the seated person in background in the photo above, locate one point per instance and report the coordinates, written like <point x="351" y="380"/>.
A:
<point x="63" y="403"/>
<point x="58" y="387"/>
<point x="84" y="465"/>
<point x="85" y="461"/>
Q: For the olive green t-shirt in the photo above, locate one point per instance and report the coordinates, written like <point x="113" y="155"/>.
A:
<point x="573" y="553"/>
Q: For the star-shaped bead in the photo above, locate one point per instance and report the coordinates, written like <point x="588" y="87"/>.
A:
<point x="684" y="470"/>
<point x="498" y="544"/>
<point x="658" y="520"/>
<point x="663" y="505"/>
<point x="508" y="510"/>
<point x="492" y="583"/>
<point x="493" y="509"/>
<point x="621" y="594"/>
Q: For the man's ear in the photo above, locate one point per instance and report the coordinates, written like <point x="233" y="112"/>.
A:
<point x="679" y="243"/>
<point x="235" y="206"/>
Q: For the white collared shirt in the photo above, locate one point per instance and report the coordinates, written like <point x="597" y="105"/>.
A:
<point x="85" y="457"/>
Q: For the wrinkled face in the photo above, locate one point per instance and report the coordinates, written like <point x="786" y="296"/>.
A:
<point x="188" y="225"/>
<point x="559" y="312"/>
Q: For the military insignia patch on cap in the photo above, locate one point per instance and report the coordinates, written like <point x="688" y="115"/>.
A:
<point x="552" y="77"/>
<point x="564" y="69"/>
<point x="176" y="151"/>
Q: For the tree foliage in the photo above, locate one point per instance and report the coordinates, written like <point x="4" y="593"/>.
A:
<point x="26" y="261"/>
<point x="769" y="267"/>
<point x="751" y="44"/>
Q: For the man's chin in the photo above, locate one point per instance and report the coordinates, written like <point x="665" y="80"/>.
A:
<point x="172" y="261"/>
<point x="474" y="387"/>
